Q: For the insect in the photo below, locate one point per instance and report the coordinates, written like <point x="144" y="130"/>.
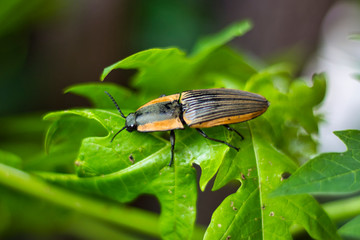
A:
<point x="203" y="108"/>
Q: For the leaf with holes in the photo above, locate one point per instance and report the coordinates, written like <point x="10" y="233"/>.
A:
<point x="328" y="173"/>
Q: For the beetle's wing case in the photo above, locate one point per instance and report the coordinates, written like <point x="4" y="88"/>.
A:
<point x="212" y="107"/>
<point x="160" y="114"/>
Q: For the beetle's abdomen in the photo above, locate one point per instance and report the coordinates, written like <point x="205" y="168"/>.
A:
<point x="213" y="107"/>
<point x="161" y="114"/>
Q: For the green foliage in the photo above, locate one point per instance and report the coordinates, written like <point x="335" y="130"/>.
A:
<point x="328" y="173"/>
<point x="105" y="168"/>
<point x="331" y="173"/>
<point x="137" y="163"/>
<point x="10" y="159"/>
<point x="171" y="71"/>
<point x="56" y="219"/>
<point x="351" y="229"/>
<point x="251" y="208"/>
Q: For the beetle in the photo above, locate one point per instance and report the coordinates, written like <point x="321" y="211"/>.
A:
<point x="202" y="108"/>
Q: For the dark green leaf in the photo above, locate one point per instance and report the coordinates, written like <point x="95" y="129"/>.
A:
<point x="351" y="229"/>
<point x="329" y="172"/>
<point x="250" y="213"/>
<point x="148" y="174"/>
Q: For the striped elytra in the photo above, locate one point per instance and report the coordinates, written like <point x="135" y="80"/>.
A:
<point x="213" y="107"/>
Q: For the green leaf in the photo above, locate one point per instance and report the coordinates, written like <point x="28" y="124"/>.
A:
<point x="62" y="142"/>
<point x="208" y="44"/>
<point x="171" y="71"/>
<point x="292" y="132"/>
<point x="95" y="92"/>
<point x="314" y="96"/>
<point x="351" y="229"/>
<point x="137" y="163"/>
<point x="153" y="65"/>
<point x="24" y="136"/>
<point x="66" y="133"/>
<point x="113" y="174"/>
<point x="328" y="173"/>
<point x="10" y="159"/>
<point x="250" y="213"/>
<point x="93" y="148"/>
<point x="121" y="179"/>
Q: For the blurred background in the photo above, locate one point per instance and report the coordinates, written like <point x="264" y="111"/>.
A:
<point x="46" y="46"/>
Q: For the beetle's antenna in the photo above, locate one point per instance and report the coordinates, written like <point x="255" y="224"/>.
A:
<point x="117" y="133"/>
<point x="116" y="105"/>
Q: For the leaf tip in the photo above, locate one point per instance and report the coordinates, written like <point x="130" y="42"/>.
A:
<point x="348" y="136"/>
<point x="68" y="89"/>
<point x="245" y="25"/>
<point x="105" y="72"/>
<point x="47" y="116"/>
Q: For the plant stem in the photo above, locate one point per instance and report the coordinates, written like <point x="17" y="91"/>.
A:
<point x="134" y="219"/>
<point x="343" y="209"/>
<point x="128" y="217"/>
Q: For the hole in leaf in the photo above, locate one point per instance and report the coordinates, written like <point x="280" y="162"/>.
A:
<point x="285" y="175"/>
<point x="147" y="202"/>
<point x="209" y="200"/>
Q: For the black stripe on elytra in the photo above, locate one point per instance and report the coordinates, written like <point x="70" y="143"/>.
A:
<point x="214" y="107"/>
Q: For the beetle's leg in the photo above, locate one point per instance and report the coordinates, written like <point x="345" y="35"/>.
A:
<point x="172" y="141"/>
<point x="234" y="130"/>
<point x="216" y="140"/>
<point x="162" y="95"/>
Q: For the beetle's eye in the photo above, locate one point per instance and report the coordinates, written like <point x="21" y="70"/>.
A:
<point x="131" y="127"/>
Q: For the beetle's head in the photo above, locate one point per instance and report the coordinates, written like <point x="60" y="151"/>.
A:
<point x="130" y="122"/>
